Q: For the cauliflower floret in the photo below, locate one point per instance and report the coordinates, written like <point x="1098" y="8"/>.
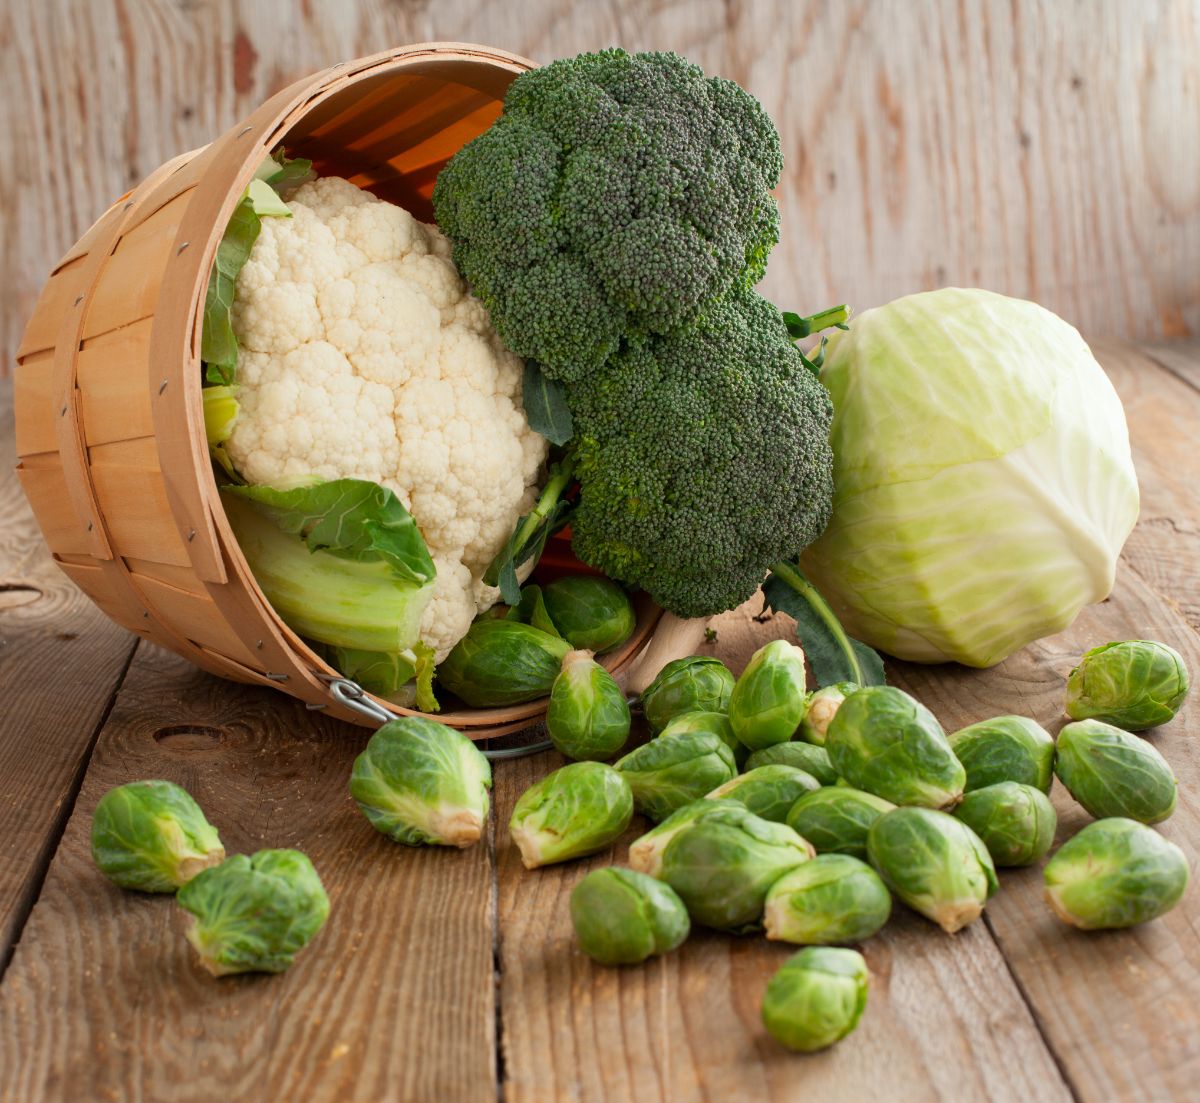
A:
<point x="364" y="356"/>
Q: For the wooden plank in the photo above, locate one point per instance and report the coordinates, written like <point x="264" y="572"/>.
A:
<point x="1181" y="358"/>
<point x="61" y="660"/>
<point x="944" y="1019"/>
<point x="394" y="1000"/>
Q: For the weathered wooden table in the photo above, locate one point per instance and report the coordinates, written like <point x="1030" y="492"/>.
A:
<point x="452" y="977"/>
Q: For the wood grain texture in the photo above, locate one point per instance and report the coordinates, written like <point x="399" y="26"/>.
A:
<point x="393" y="1001"/>
<point x="61" y="660"/>
<point x="1042" y="148"/>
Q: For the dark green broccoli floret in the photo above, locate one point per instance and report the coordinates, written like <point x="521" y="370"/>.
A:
<point x="616" y="196"/>
<point x="703" y="458"/>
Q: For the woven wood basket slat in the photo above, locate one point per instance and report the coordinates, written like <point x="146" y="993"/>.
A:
<point x="110" y="428"/>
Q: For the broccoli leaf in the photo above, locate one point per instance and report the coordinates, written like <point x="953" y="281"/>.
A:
<point x="834" y="656"/>
<point x="218" y="343"/>
<point x="546" y="405"/>
<point x="349" y="518"/>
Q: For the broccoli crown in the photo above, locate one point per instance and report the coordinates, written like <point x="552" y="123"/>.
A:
<point x="617" y="195"/>
<point x="703" y="458"/>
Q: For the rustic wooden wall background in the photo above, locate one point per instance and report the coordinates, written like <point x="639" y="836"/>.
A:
<point x="1045" y="148"/>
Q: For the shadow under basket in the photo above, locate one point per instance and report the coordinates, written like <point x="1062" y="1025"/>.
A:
<point x="109" y="419"/>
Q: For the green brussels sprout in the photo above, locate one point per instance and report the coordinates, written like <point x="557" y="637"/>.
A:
<point x="816" y="998"/>
<point x="804" y="756"/>
<point x="502" y="662"/>
<point x="884" y="741"/>
<point x="622" y="917"/>
<point x="646" y="851"/>
<point x="836" y="819"/>
<point x="823" y="705"/>
<point x="768" y="700"/>
<point x="576" y="810"/>
<point x="590" y="612"/>
<point x="723" y="861"/>
<point x="1016" y="822"/>
<point x="1115" y="873"/>
<point x="1113" y="773"/>
<point x="769" y="791"/>
<point x="694" y="684"/>
<point x="588" y="716"/>
<point x="1005" y="748"/>
<point x="1133" y="684"/>
<point x="833" y="898"/>
<point x="936" y="864"/>
<point x="254" y="914"/>
<point x="418" y="782"/>
<point x="152" y="836"/>
<point x="666" y="774"/>
<point x="715" y="722"/>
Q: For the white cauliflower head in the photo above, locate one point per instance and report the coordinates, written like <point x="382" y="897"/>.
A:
<point x="364" y="356"/>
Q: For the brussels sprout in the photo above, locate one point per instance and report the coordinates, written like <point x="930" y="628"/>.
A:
<point x="1134" y="684"/>
<point x="769" y="791"/>
<point x="646" y="851"/>
<point x="151" y="835"/>
<point x="502" y="662"/>
<point x="768" y="700"/>
<point x="666" y="774"/>
<point x="254" y="914"/>
<point x="804" y="756"/>
<point x="694" y="684"/>
<point x="1005" y="748"/>
<point x="936" y="864"/>
<point x="576" y="810"/>
<point x="1016" y="822"/>
<point x="715" y="722"/>
<point x="1113" y="773"/>
<point x="590" y="612"/>
<point x="723" y="861"/>
<point x="588" y="717"/>
<point x="1115" y="873"/>
<point x="419" y="781"/>
<point x="836" y="820"/>
<point x="816" y="998"/>
<point x="622" y="917"/>
<point x="833" y="898"/>
<point x="823" y="705"/>
<point x="884" y="741"/>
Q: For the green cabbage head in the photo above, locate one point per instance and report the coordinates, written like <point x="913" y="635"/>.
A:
<point x="984" y="484"/>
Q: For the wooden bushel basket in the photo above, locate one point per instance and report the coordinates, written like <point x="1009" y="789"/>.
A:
<point x="109" y="418"/>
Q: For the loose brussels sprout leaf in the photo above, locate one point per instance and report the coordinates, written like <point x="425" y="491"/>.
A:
<point x="590" y="612"/>
<point x="577" y="810"/>
<point x="768" y="700"/>
<point x="254" y="914"/>
<point x="531" y="610"/>
<point x="1134" y="684"/>
<point x="694" y="684"/>
<point x="152" y="836"/>
<point x="666" y="774"/>
<point x="502" y="662"/>
<point x="588" y="717"/>
<point x="1115" y="873"/>
<point x="418" y="782"/>
<point x="1005" y="748"/>
<point x="715" y="722"/>
<point x="1016" y="822"/>
<point x="723" y="861"/>
<point x="622" y="917"/>
<point x="884" y="741"/>
<point x="646" y="851"/>
<point x="833" y="898"/>
<point x="936" y="864"/>
<point x="769" y="791"/>
<point x="816" y="998"/>
<point x="836" y="819"/>
<point x="804" y="756"/>
<point x="1113" y="773"/>
<point x="823" y="705"/>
